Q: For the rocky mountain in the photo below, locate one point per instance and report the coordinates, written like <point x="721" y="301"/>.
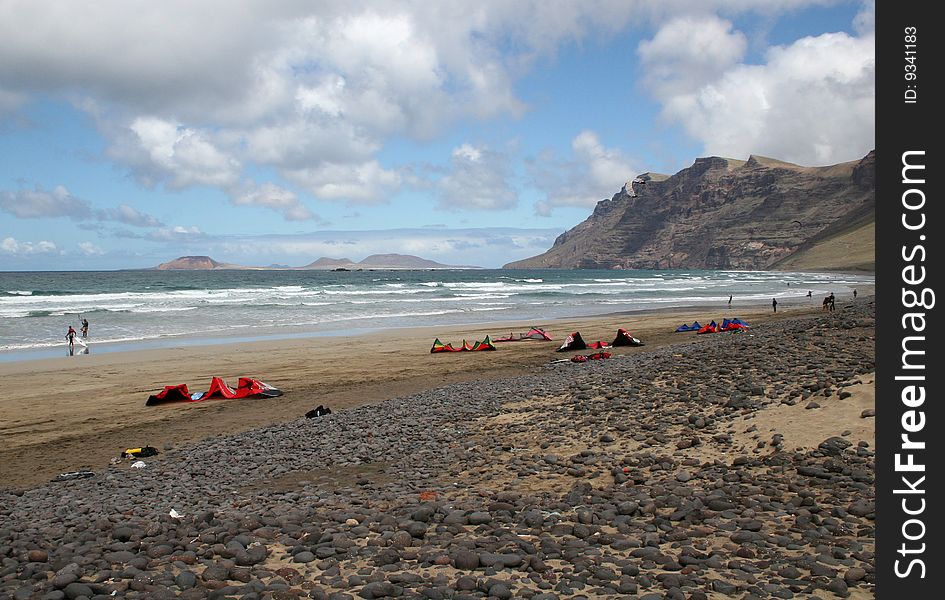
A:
<point x="729" y="214"/>
<point x="194" y="263"/>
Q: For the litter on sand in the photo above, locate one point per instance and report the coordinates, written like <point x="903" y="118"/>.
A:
<point x="139" y="464"/>
<point x="74" y="475"/>
<point x="142" y="452"/>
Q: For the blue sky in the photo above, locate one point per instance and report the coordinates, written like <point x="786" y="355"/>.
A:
<point x="134" y="132"/>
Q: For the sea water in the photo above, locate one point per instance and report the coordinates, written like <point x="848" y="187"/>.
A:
<point x="142" y="309"/>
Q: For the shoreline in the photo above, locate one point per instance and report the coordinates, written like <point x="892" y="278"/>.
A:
<point x="91" y="409"/>
<point x="306" y="333"/>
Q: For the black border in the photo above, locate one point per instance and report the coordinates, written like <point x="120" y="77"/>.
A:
<point x="902" y="127"/>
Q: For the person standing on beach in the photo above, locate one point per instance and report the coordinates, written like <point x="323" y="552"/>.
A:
<point x="85" y="328"/>
<point x="774" y="304"/>
<point x="70" y="337"/>
<point x="854" y="294"/>
<point x="730" y="301"/>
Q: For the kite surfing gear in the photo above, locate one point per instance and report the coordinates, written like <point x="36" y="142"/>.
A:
<point x="535" y="333"/>
<point x="625" y="339"/>
<point x="572" y="342"/>
<point x="485" y="344"/>
<point x="246" y="388"/>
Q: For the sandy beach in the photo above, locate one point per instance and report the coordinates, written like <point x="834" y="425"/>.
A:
<point x="726" y="465"/>
<point x="79" y="412"/>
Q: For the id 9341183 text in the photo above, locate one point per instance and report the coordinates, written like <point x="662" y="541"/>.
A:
<point x="910" y="38"/>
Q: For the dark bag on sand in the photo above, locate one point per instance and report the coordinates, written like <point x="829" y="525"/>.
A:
<point x="321" y="411"/>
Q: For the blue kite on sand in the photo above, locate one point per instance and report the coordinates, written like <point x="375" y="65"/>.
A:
<point x="694" y="327"/>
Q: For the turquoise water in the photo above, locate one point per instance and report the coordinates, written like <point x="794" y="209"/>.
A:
<point x="138" y="309"/>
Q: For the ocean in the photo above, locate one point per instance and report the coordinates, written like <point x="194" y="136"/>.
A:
<point x="152" y="309"/>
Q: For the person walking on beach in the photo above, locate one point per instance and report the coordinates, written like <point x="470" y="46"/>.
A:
<point x="854" y="294"/>
<point x="833" y="302"/>
<point x="774" y="304"/>
<point x="730" y="301"/>
<point x="810" y="294"/>
<point x="85" y="328"/>
<point x="70" y="337"/>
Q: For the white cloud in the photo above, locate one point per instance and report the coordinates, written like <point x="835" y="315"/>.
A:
<point x="90" y="249"/>
<point x="478" y="179"/>
<point x="59" y="202"/>
<point x="187" y="94"/>
<point x="783" y="108"/>
<point x="11" y="245"/>
<point x="592" y="173"/>
<point x="178" y="233"/>
<point x="688" y="52"/>
<point x="364" y="183"/>
<point x="129" y="216"/>
<point x="167" y="152"/>
<point x="39" y="204"/>
<point x="273" y="197"/>
<point x="865" y="21"/>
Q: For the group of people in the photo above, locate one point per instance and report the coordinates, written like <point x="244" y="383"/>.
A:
<point x="830" y="302"/>
<point x="72" y="334"/>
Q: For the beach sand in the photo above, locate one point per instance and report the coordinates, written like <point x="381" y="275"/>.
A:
<point x="79" y="412"/>
<point x="715" y="466"/>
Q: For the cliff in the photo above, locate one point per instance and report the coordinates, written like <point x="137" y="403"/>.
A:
<point x="728" y="214"/>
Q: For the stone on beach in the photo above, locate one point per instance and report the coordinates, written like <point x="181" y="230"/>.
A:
<point x="583" y="489"/>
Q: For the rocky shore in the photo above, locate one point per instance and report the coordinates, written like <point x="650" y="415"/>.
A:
<point x="643" y="476"/>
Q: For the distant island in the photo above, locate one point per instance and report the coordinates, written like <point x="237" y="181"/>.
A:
<point x="375" y="262"/>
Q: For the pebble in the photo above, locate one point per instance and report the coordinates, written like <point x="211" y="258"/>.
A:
<point x="622" y="478"/>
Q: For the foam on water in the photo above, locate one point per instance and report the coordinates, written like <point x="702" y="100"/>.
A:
<point x="126" y="307"/>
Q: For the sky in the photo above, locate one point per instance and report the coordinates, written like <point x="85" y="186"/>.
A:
<point x="468" y="132"/>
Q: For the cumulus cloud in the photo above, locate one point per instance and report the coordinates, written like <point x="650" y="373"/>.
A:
<point x="274" y="197"/>
<point x="163" y="151"/>
<point x="689" y="52"/>
<point x="12" y="246"/>
<point x="591" y="173"/>
<point x="360" y="183"/>
<point x="129" y="216"/>
<point x="187" y="95"/>
<point x="90" y="249"/>
<point x="478" y="179"/>
<point x="865" y="21"/>
<point x="178" y="233"/>
<point x="40" y="204"/>
<point x="783" y="108"/>
<point x="59" y="202"/>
